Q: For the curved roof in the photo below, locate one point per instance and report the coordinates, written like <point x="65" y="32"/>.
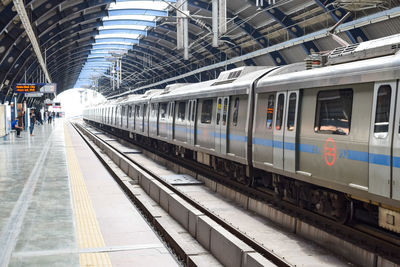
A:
<point x="79" y="39"/>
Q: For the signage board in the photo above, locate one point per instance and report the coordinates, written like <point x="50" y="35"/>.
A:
<point x="47" y="88"/>
<point x="26" y="88"/>
<point x="33" y="94"/>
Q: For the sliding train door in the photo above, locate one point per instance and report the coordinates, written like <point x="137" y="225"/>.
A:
<point x="221" y="125"/>
<point x="191" y="122"/>
<point x="396" y="150"/>
<point x="381" y="139"/>
<point x="290" y="131"/>
<point x="279" y="129"/>
<point x="285" y="130"/>
<point x="170" y="120"/>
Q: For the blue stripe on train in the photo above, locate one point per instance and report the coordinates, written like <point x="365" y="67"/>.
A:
<point x="378" y="159"/>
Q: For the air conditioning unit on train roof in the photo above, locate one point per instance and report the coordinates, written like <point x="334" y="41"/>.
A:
<point x="230" y="76"/>
<point x="171" y="87"/>
<point x="150" y="92"/>
<point x="385" y="46"/>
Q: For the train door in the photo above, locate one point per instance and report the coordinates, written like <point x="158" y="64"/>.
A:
<point x="290" y="132"/>
<point x="170" y="120"/>
<point x="381" y="137"/>
<point x="145" y="118"/>
<point x="279" y="129"/>
<point x="221" y="125"/>
<point x="396" y="150"/>
<point x="122" y="116"/>
<point x="191" y="122"/>
<point x="128" y="116"/>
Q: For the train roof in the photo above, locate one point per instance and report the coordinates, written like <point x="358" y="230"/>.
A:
<point x="361" y="71"/>
<point x="235" y="81"/>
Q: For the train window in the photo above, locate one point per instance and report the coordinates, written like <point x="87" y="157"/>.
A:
<point x="122" y="114"/>
<point x="194" y="106"/>
<point x="382" y="110"/>
<point x="144" y="110"/>
<point x="137" y="111"/>
<point x="130" y="111"/>
<point x="163" y="110"/>
<point x="235" y="112"/>
<point x="171" y="110"/>
<point x="225" y="112"/>
<point x="206" y="111"/>
<point x="333" y="115"/>
<point x="219" y="106"/>
<point x="291" y="111"/>
<point x="279" y="110"/>
<point x="153" y="112"/>
<point x="181" y="111"/>
<point x="270" y="111"/>
<point x="190" y="110"/>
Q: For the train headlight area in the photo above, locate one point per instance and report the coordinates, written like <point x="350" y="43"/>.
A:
<point x="192" y="123"/>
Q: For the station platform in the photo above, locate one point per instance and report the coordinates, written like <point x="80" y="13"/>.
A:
<point x="59" y="206"/>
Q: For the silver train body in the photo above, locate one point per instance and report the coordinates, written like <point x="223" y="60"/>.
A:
<point x="317" y="134"/>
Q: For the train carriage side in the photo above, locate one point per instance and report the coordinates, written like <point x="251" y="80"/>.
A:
<point x="212" y="118"/>
<point x="173" y="113"/>
<point x="140" y="113"/>
<point x="333" y="127"/>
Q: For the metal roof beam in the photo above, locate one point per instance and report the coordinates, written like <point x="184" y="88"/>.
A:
<point x="292" y="28"/>
<point x="246" y="27"/>
<point x="356" y="35"/>
<point x="20" y="7"/>
<point x="371" y="19"/>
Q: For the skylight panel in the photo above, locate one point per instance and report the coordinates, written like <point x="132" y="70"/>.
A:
<point x="124" y="27"/>
<point x="102" y="51"/>
<point x="130" y="17"/>
<point x="118" y="36"/>
<point x="110" y="46"/>
<point x="130" y="22"/>
<point x="129" y="42"/>
<point x="127" y="22"/>
<point x="138" y="5"/>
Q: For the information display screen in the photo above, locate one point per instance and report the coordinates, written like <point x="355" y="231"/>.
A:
<point x="26" y="88"/>
<point x="48" y="88"/>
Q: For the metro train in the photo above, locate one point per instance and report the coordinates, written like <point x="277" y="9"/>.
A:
<point x="326" y="138"/>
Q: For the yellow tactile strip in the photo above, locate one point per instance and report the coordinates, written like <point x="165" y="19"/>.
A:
<point x="87" y="228"/>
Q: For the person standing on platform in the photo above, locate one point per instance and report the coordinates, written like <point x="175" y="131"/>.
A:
<point x="49" y="117"/>
<point x="19" y="125"/>
<point x="33" y="120"/>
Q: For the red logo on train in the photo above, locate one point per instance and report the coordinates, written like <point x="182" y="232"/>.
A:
<point x="330" y="151"/>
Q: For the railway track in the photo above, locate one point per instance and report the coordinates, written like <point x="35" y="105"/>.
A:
<point x="270" y="255"/>
<point x="363" y="236"/>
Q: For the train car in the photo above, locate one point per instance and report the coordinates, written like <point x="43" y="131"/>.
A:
<point x="211" y="119"/>
<point x="162" y="114"/>
<point x="337" y="128"/>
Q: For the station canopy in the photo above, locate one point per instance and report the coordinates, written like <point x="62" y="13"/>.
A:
<point x="86" y="43"/>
